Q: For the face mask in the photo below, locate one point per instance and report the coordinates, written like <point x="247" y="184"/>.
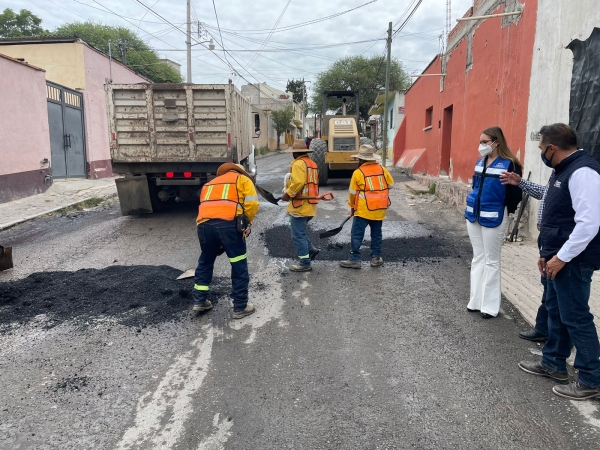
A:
<point x="485" y="149"/>
<point x="545" y="160"/>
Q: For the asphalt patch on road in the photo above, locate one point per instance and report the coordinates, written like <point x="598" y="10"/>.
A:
<point x="279" y="244"/>
<point x="135" y="296"/>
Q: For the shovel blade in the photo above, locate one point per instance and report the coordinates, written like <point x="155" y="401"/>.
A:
<point x="329" y="233"/>
<point x="187" y="274"/>
<point x="267" y="195"/>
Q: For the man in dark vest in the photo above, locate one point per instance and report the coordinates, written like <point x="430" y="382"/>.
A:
<point x="569" y="255"/>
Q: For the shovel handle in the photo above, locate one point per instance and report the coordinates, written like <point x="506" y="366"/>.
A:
<point x="326" y="197"/>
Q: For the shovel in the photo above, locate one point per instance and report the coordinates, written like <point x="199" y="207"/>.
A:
<point x="6" y="261"/>
<point x="329" y="233"/>
<point x="326" y="197"/>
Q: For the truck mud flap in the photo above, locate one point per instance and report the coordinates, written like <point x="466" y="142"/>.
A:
<point x="134" y="195"/>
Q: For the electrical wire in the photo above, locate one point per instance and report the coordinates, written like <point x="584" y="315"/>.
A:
<point x="218" y="25"/>
<point x="298" y="25"/>
<point x="271" y="33"/>
<point x="110" y="12"/>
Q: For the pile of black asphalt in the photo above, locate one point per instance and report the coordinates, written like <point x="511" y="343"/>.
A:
<point x="279" y="245"/>
<point x="136" y="296"/>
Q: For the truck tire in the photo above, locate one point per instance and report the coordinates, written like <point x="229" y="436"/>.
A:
<point x="319" y="148"/>
<point x="366" y="141"/>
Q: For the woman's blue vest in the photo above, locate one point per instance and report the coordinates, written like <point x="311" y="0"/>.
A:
<point x="486" y="202"/>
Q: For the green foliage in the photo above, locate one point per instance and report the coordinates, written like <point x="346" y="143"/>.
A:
<point x="281" y="120"/>
<point x="263" y="150"/>
<point x="298" y="88"/>
<point x="139" y="55"/>
<point x="24" y="24"/>
<point x="358" y="73"/>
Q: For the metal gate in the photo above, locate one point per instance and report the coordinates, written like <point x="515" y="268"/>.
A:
<point x="67" y="134"/>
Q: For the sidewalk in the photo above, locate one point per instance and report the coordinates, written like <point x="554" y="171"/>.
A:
<point x="62" y="194"/>
<point x="521" y="280"/>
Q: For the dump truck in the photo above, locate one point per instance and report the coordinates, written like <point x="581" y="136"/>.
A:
<point x="167" y="140"/>
<point x="340" y="137"/>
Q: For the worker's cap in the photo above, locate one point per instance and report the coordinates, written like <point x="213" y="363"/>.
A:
<point x="365" y="153"/>
<point x="298" y="147"/>
<point x="224" y="168"/>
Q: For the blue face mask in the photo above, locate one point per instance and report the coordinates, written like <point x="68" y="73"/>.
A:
<point x="545" y="160"/>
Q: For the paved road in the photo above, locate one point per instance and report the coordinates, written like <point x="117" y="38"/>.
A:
<point x="334" y="359"/>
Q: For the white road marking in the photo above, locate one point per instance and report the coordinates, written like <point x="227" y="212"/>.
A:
<point x="269" y="306"/>
<point x="588" y="410"/>
<point x="161" y="416"/>
<point x="219" y="438"/>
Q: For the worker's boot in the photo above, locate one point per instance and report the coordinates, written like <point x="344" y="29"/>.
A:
<point x="376" y="261"/>
<point x="313" y="253"/>
<point x="300" y="268"/>
<point x="199" y="307"/>
<point x="250" y="309"/>
<point x="348" y="264"/>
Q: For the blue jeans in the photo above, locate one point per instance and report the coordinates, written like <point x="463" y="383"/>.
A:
<point x="298" y="227"/>
<point x="359" y="225"/>
<point x="570" y="319"/>
<point x="541" y="319"/>
<point x="214" y="236"/>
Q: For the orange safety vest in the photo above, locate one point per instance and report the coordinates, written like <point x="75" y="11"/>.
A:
<point x="311" y="188"/>
<point x="219" y="198"/>
<point x="376" y="192"/>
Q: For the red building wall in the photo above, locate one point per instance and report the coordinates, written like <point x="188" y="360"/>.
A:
<point x="493" y="90"/>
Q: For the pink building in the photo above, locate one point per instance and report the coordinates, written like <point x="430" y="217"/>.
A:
<point x="24" y="137"/>
<point x="73" y="113"/>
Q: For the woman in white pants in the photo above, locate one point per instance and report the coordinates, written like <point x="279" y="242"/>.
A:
<point x="488" y="206"/>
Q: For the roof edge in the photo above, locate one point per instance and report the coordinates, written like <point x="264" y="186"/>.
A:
<point x="23" y="63"/>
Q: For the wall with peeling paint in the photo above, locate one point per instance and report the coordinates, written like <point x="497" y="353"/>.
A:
<point x="487" y="83"/>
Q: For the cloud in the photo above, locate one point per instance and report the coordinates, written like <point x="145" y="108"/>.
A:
<point x="415" y="46"/>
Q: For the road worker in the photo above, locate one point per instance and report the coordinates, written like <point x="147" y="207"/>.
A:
<point x="228" y="205"/>
<point x="302" y="182"/>
<point x="369" y="200"/>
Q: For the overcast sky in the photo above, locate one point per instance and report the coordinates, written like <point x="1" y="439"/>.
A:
<point x="245" y="24"/>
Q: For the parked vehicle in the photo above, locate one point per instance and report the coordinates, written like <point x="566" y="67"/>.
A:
<point x="167" y="140"/>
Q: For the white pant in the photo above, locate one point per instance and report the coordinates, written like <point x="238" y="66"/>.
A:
<point x="486" y="265"/>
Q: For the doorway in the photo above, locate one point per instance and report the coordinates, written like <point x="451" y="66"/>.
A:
<point x="67" y="135"/>
<point x="446" y="141"/>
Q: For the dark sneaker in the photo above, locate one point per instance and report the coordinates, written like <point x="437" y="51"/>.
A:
<point x="533" y="335"/>
<point x="473" y="310"/>
<point x="576" y="391"/>
<point x="376" y="261"/>
<point x="250" y="309"/>
<point x="536" y="368"/>
<point x="300" y="268"/>
<point x="351" y="264"/>
<point x="486" y="316"/>
<point x="199" y="307"/>
<point x="313" y="253"/>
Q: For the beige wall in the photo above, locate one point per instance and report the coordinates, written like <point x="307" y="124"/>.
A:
<point x="63" y="63"/>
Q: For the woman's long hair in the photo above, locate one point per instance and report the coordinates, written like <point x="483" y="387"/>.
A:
<point x="496" y="134"/>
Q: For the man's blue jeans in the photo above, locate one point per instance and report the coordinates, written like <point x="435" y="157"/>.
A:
<point x="359" y="225"/>
<point x="214" y="234"/>
<point x="541" y="319"/>
<point x="298" y="226"/>
<point x="570" y="319"/>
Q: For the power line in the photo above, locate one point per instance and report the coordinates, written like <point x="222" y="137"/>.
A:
<point x="218" y="25"/>
<point x="271" y="33"/>
<point x="298" y="25"/>
<point x="407" y="19"/>
<point x="110" y="12"/>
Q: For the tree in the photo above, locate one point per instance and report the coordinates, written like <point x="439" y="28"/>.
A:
<point x="362" y="74"/>
<point x="127" y="47"/>
<point x="298" y="88"/>
<point x="281" y="120"/>
<point x="13" y="25"/>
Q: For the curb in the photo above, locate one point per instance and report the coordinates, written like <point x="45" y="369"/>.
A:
<point x="8" y="225"/>
<point x="268" y="155"/>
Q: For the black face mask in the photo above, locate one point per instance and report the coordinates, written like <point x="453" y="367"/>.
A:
<point x="545" y="160"/>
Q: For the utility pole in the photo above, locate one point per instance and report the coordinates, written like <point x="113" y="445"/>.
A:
<point x="387" y="90"/>
<point x="189" y="42"/>
<point x="122" y="45"/>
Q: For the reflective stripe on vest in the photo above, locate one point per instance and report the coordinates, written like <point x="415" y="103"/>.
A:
<point x="376" y="191"/>
<point x="486" y="201"/>
<point x="311" y="187"/>
<point x="219" y="198"/>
